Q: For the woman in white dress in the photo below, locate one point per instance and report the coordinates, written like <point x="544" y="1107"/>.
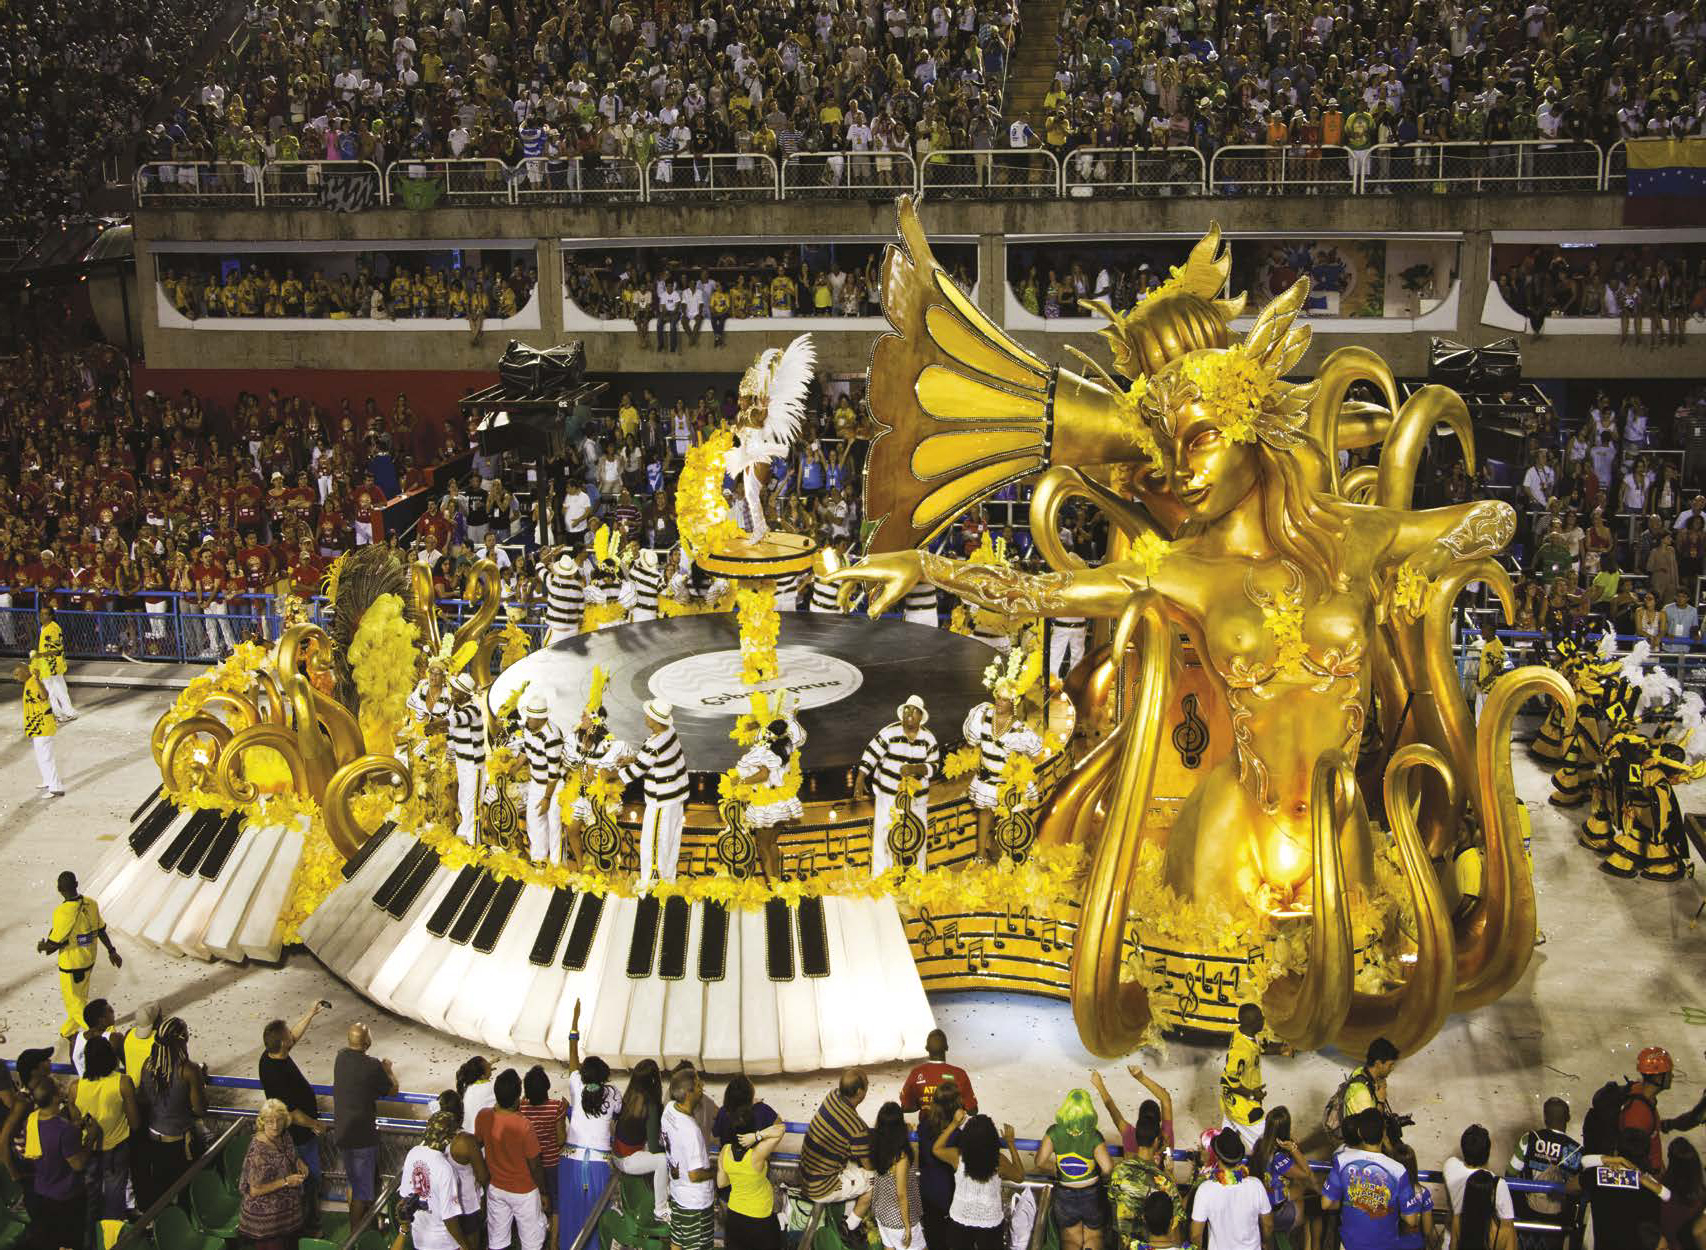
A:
<point x="766" y="764"/>
<point x="592" y="752"/>
<point x="997" y="732"/>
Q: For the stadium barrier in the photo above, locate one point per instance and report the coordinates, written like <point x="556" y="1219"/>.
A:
<point x="1459" y="168"/>
<point x="848" y="175"/>
<point x="990" y="174"/>
<point x="1128" y="172"/>
<point x="197" y="184"/>
<point x="1283" y="169"/>
<point x="712" y="176"/>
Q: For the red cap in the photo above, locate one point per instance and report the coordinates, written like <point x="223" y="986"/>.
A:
<point x="1653" y="1061"/>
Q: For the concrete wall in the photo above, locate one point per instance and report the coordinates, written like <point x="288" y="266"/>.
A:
<point x="1558" y="355"/>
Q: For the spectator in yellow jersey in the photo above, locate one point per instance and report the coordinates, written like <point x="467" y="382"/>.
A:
<point x="39" y="726"/>
<point x="77" y="926"/>
<point x="720" y="306"/>
<point x="50" y="650"/>
<point x="783" y="294"/>
<point x="1242" y="1091"/>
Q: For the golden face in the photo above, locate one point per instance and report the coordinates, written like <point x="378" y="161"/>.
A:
<point x="1209" y="474"/>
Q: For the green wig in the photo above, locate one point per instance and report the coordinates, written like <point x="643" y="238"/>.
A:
<point x="1077" y="1112"/>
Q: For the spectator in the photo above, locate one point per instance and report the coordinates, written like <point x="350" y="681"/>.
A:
<point x="635" y="1146"/>
<point x="108" y="1098"/>
<point x="1279" y="1164"/>
<point x="739" y="1093"/>
<point x="59" y="1215"/>
<point x="547" y="1117"/>
<point x="978" y="1212"/>
<point x="1073" y="1147"/>
<point x="173" y="1089"/>
<point x="1141" y="1175"/>
<point x="1622" y="1193"/>
<point x="429" y="1178"/>
<point x="1371" y="1190"/>
<point x="517" y="1203"/>
<point x="1682" y="1219"/>
<point x="282" y="1080"/>
<point x="897" y="1205"/>
<point x="270" y="1214"/>
<point x="359" y="1081"/>
<point x="1230" y="1205"/>
<point x="1682" y="624"/>
<point x="936" y="1178"/>
<point x="692" y="1188"/>
<point x="837" y="1149"/>
<point x="475" y="1086"/>
<point x="920" y="1084"/>
<point x="1476" y="1225"/>
<point x="1475" y="1147"/>
<point x="743" y="1170"/>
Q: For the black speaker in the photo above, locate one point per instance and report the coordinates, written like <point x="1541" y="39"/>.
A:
<point x="1474" y="368"/>
<point x="534" y="371"/>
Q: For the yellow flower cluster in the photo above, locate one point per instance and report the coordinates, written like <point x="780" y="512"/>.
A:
<point x="959" y="621"/>
<point x="730" y="786"/>
<point x="382" y="660"/>
<point x="959" y="763"/>
<point x="317" y="873"/>
<point x="760" y="626"/>
<point x="1049" y="878"/>
<point x="515" y="645"/>
<point x="504" y="763"/>
<point x="1130" y="403"/>
<point x="1148" y="551"/>
<point x="1284" y="624"/>
<point x="597" y="615"/>
<point x="1018" y="775"/>
<point x="1411" y="591"/>
<point x="668" y="606"/>
<point x="1234" y="387"/>
<point x="701" y="513"/>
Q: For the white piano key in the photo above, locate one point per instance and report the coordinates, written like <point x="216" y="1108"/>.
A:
<point x="417" y="949"/>
<point x="261" y="936"/>
<point x="138" y="892"/>
<point x="344" y="904"/>
<point x="223" y="927"/>
<point x="365" y="969"/>
<point x="585" y="986"/>
<point x="157" y="931"/>
<point x="605" y="1017"/>
<point x="879" y="1030"/>
<point x="499" y="1002"/>
<point x="838" y="1003"/>
<point x="115" y="894"/>
<point x="796" y="1018"/>
<point x="642" y="1035"/>
<point x="187" y="936"/>
<point x="684" y="1000"/>
<point x="760" y="1036"/>
<point x="118" y="857"/>
<point x="538" y="1009"/>
<point x="902" y="988"/>
<point x="447" y="983"/>
<point x="720" y="1048"/>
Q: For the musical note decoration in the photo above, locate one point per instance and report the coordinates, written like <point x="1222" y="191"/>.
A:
<point x="500" y="818"/>
<point x="1190" y="735"/>
<point x="1015" y="827"/>
<point x="736" y="847"/>
<point x="601" y="842"/>
<point x="906" y="834"/>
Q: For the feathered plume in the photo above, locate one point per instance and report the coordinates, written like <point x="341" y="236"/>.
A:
<point x="362" y="576"/>
<point x="1691" y="725"/>
<point x="595" y="692"/>
<point x="789" y="381"/>
<point x="1607" y="644"/>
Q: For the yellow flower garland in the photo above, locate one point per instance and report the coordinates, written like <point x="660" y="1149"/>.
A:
<point x="1234" y="387"/>
<point x="760" y="626"/>
<point x="668" y="606"/>
<point x="701" y="513"/>
<point x="959" y="763"/>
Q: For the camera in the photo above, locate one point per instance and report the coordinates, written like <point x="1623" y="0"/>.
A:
<point x="407" y="1205"/>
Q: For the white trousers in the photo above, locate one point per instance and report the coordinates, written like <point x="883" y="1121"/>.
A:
<point x="643" y="614"/>
<point x="922" y="616"/>
<point x="660" y="827"/>
<point x="648" y="1163"/>
<point x="881" y="860"/>
<point x="46" y="764"/>
<point x="59" y="697"/>
<point x="468" y="801"/>
<point x="525" y="1211"/>
<point x="1065" y="644"/>
<point x="544" y="824"/>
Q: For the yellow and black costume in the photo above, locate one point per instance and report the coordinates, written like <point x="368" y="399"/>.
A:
<point x="1572" y="783"/>
<point x="1649" y="837"/>
<point x="1550" y="745"/>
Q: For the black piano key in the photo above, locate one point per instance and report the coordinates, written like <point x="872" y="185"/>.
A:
<point x="191" y="859"/>
<point x="672" y="957"/>
<point x="778" y="941"/>
<point x="497" y="915"/>
<point x="439" y="922"/>
<point x="411" y="888"/>
<point x="204" y="820"/>
<point x="400" y="872"/>
<point x="557" y="912"/>
<point x="353" y="864"/>
<point x="153" y="825"/>
<point x="219" y="854"/>
<point x="714" y="943"/>
<point x="581" y="936"/>
<point x="814" y="939"/>
<point x="474" y="910"/>
<point x="643" y="947"/>
<point x="143" y="806"/>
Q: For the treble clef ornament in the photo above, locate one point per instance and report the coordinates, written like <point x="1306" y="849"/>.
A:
<point x="602" y="842"/>
<point x="1015" y="827"/>
<point x="1190" y="736"/>
<point x="906" y="832"/>
<point x="736" y="847"/>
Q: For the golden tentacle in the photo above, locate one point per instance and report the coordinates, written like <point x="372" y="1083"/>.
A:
<point x="157" y="735"/>
<point x="274" y="709"/>
<point x="1068" y="814"/>
<point x="484" y="654"/>
<point x="345" y="831"/>
<point x="1360" y="483"/>
<point x="1408" y="439"/>
<point x="341" y="729"/>
<point x="484" y="586"/>
<point x="1059" y="486"/>
<point x="420" y="581"/>
<point x="1340" y="371"/>
<point x="1496" y="939"/>
<point x="239" y="711"/>
<point x="184" y="733"/>
<point x="1308" y="1008"/>
<point x="305" y="649"/>
<point x="1112" y="1014"/>
<point x="229" y="775"/>
<point x="1413" y="1013"/>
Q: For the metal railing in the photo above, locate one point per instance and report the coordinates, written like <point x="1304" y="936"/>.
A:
<point x="590" y="179"/>
<point x="469" y="182"/>
<point x="848" y="175"/>
<point x="1615" y="175"/>
<point x="990" y="174"/>
<point x="1460" y="168"/>
<point x="712" y="175"/>
<point x="305" y="184"/>
<point x="197" y="184"/>
<point x="1127" y="172"/>
<point x="1282" y="169"/>
<point x="137" y="1232"/>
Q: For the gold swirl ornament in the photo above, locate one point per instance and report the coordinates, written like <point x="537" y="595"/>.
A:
<point x="484" y="589"/>
<point x="342" y="827"/>
<point x="326" y="734"/>
<point x="184" y="736"/>
<point x="229" y="778"/>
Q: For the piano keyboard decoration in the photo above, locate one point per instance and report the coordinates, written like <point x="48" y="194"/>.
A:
<point x="502" y="962"/>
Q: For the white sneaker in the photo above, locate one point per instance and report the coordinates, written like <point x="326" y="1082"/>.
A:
<point x="56" y="794"/>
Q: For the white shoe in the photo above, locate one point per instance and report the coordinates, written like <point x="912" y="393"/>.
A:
<point x="56" y="794"/>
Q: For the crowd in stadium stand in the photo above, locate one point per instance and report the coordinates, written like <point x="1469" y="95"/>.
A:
<point x="399" y="285"/>
<point x="1652" y="291"/>
<point x="80" y="78"/>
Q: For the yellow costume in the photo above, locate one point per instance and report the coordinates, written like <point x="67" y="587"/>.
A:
<point x="50" y="645"/>
<point x="77" y="926"/>
<point x="1241" y="1074"/>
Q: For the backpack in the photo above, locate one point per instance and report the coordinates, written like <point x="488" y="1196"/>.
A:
<point x="1599" y="1126"/>
<point x="1333" y="1114"/>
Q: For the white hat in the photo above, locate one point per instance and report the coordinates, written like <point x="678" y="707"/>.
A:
<point x="915" y="701"/>
<point x="462" y="682"/>
<point x="566" y="564"/>
<point x="648" y="559"/>
<point x="534" y="704"/>
<point x="661" y="710"/>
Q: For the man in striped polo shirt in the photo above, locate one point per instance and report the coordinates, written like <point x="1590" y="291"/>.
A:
<point x="647" y="577"/>
<point x="468" y="749"/>
<point x="565" y="597"/>
<point x="919" y="606"/>
<point x="542" y="743"/>
<point x="662" y="769"/>
<point x="903" y="748"/>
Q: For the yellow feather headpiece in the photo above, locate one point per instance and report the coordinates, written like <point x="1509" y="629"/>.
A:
<point x="595" y="692"/>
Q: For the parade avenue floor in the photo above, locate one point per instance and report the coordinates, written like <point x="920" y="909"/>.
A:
<point x="1621" y="969"/>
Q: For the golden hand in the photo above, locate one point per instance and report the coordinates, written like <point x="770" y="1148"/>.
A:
<point x="888" y="577"/>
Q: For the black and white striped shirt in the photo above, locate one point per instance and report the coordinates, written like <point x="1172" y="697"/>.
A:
<point x="920" y="607"/>
<point x="565" y="598"/>
<point x="468" y="734"/>
<point x="423" y="711"/>
<point x="544" y="750"/>
<point x="663" y="766"/>
<point x="788" y="592"/>
<point x="890" y="749"/>
<point x="647" y="587"/>
<point x="824" y="596"/>
<point x="993" y="751"/>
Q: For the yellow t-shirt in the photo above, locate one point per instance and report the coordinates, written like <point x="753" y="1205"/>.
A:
<point x="1468" y="869"/>
<point x="75" y="923"/>
<point x="628" y="418"/>
<point x="38" y="712"/>
<point x="749" y="1186"/>
<point x="51" y="646"/>
<point x="1243" y="1071"/>
<point x="136" y="1052"/>
<point x="104" y="1100"/>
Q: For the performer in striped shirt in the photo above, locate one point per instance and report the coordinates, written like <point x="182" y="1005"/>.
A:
<point x="591" y="752"/>
<point x="468" y="749"/>
<point x="788" y="592"/>
<point x="989" y="628"/>
<point x="766" y="764"/>
<point x="565" y="597"/>
<point x="902" y="749"/>
<point x="647" y="577"/>
<point x="662" y="769"/>
<point x="542" y="744"/>
<point x="1066" y="641"/>
<point x="919" y="606"/>
<point x="997" y="732"/>
<point x="429" y="701"/>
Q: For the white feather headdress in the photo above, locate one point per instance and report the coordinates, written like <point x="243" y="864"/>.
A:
<point x="790" y="378"/>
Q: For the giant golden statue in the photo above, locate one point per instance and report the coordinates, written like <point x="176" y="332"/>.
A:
<point x="1306" y="614"/>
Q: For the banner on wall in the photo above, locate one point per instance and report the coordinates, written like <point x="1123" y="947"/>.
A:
<point x="1667" y="166"/>
<point x="419" y="194"/>
<point x="1347" y="277"/>
<point x="348" y="193"/>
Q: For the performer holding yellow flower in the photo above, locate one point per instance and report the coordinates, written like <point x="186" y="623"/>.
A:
<point x="50" y="646"/>
<point x="903" y="751"/>
<point x="996" y="731"/>
<point x="610" y="596"/>
<point x="775" y="802"/>
<point x="39" y="726"/>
